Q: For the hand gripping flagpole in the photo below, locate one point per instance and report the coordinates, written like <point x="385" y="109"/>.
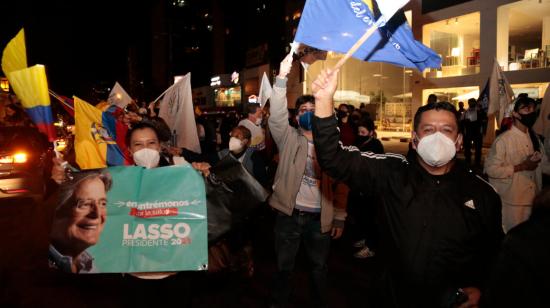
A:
<point x="379" y="23"/>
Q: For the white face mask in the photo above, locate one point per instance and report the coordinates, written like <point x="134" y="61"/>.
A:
<point x="235" y="145"/>
<point x="147" y="158"/>
<point x="258" y="121"/>
<point x="436" y="149"/>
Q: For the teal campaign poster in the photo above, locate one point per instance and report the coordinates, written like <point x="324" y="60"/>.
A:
<point x="147" y="220"/>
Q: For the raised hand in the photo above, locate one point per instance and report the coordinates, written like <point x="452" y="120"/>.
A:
<point x="323" y="89"/>
<point x="285" y="66"/>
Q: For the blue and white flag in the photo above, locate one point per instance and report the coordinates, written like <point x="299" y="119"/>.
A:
<point x="335" y="25"/>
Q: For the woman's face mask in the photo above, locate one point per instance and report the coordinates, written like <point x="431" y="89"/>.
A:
<point x="147" y="158"/>
<point x="436" y="149"/>
<point x="235" y="145"/>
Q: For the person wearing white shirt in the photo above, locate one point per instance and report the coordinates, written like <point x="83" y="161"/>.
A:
<point x="515" y="164"/>
<point x="253" y="122"/>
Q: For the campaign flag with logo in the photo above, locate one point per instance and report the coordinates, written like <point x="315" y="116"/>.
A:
<point x="176" y="108"/>
<point x="96" y="138"/>
<point x="497" y="95"/>
<point x="336" y="25"/>
<point x="30" y="84"/>
<point x="144" y="227"/>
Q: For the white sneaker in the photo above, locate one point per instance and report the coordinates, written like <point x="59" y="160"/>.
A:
<point x="359" y="244"/>
<point x="364" y="253"/>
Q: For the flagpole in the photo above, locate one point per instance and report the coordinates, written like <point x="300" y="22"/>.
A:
<point x="358" y="44"/>
<point x="52" y="93"/>
<point x="163" y="93"/>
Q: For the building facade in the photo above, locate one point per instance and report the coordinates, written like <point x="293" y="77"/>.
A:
<point x="468" y="35"/>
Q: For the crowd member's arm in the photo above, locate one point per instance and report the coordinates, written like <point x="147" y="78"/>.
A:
<point x="498" y="167"/>
<point x="58" y="172"/>
<point x="347" y="164"/>
<point x="278" y="120"/>
<point x="339" y="203"/>
<point x="259" y="169"/>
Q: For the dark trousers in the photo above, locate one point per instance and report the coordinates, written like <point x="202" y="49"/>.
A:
<point x="291" y="231"/>
<point x="477" y="140"/>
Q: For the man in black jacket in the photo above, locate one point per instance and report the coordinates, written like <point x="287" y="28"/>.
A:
<point x="440" y="227"/>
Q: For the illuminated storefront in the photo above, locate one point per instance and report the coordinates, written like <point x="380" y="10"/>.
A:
<point x="383" y="88"/>
<point x="456" y="40"/>
<point x="227" y="90"/>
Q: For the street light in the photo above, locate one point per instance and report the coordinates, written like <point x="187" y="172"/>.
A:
<point x="4" y="84"/>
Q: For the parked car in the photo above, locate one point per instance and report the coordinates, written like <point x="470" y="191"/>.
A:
<point x="25" y="163"/>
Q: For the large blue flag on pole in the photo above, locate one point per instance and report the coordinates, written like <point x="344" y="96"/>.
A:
<point x="335" y="25"/>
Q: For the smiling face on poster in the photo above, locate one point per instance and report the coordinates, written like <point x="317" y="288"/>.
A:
<point x="131" y="219"/>
<point x="79" y="221"/>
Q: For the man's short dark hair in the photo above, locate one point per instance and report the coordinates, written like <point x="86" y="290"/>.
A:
<point x="138" y="126"/>
<point x="245" y="131"/>
<point x="436" y="106"/>
<point x="367" y="123"/>
<point x="523" y="100"/>
<point x="432" y="98"/>
<point x="304" y="99"/>
<point x="251" y="108"/>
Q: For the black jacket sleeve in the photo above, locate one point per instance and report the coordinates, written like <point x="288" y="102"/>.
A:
<point x="364" y="171"/>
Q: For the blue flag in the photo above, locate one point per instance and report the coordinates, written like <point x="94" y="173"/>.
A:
<point x="337" y="24"/>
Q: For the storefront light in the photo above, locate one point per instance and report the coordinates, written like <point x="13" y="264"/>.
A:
<point x="4" y="84"/>
<point x="455" y="52"/>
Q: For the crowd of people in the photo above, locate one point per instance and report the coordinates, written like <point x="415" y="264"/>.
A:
<point x="446" y="236"/>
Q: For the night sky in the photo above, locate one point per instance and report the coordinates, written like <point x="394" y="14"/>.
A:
<point x="85" y="44"/>
<point x="80" y="45"/>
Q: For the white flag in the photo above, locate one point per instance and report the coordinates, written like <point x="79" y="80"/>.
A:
<point x="542" y="126"/>
<point x="265" y="91"/>
<point x="501" y="94"/>
<point x="119" y="96"/>
<point x="388" y="8"/>
<point x="176" y="108"/>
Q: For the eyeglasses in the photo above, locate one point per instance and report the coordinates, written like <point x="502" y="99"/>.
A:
<point x="83" y="207"/>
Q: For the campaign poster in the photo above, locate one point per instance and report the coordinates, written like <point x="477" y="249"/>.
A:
<point x="129" y="220"/>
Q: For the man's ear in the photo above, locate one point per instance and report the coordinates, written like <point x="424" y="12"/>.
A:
<point x="413" y="140"/>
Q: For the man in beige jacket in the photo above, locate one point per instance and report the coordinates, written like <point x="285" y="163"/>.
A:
<point x="310" y="205"/>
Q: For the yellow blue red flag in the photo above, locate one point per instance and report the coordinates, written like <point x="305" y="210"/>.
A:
<point x="30" y="84"/>
<point x="96" y="137"/>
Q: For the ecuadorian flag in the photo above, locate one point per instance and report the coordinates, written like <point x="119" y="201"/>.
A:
<point x="30" y="84"/>
<point x="96" y="137"/>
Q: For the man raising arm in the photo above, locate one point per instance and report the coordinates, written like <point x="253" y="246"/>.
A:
<point x="440" y="227"/>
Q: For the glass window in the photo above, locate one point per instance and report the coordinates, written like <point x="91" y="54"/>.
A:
<point x="534" y="90"/>
<point x="452" y="95"/>
<point x="384" y="90"/>
<point x="227" y="97"/>
<point x="456" y="40"/>
<point x="524" y="35"/>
